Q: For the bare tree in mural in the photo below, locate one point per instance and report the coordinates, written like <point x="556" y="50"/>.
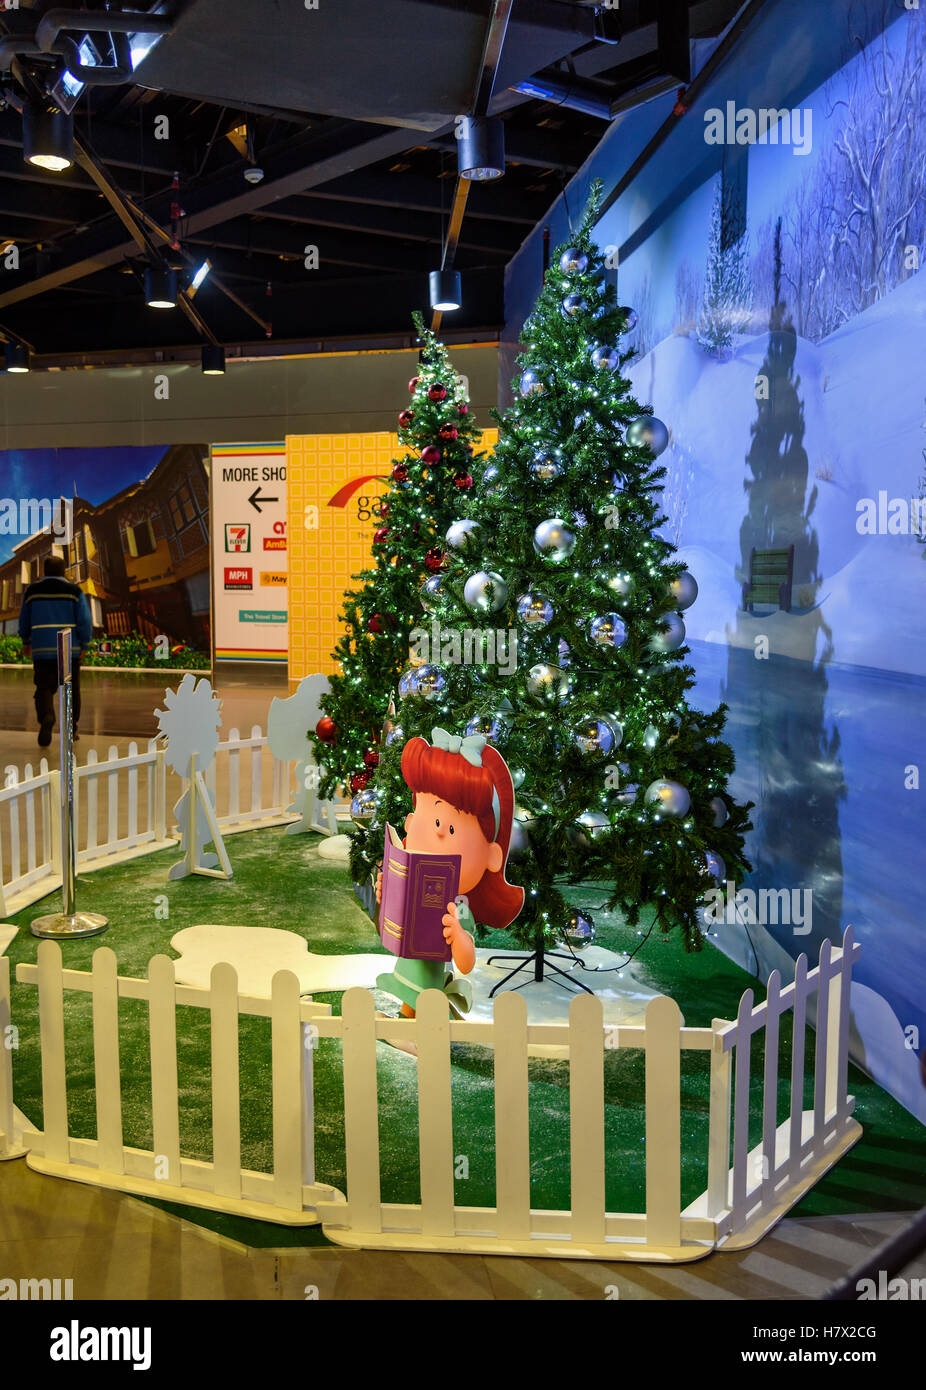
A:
<point x="646" y="335"/>
<point x="689" y="287"/>
<point x="676" y="492"/>
<point x="879" y="190"/>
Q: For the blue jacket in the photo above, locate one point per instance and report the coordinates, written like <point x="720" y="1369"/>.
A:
<point x="49" y="605"/>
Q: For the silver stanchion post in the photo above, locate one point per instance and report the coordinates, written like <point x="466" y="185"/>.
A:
<point x="70" y="923"/>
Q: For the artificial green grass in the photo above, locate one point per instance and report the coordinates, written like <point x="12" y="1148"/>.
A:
<point x="281" y="881"/>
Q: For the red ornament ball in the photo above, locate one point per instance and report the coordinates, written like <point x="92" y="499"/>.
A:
<point x="434" y="559"/>
<point x="463" y="408"/>
<point x="463" y="481"/>
<point x="405" y="418"/>
<point x="430" y="455"/>
<point x="326" y="730"/>
<point x="413" y="383"/>
<point x="437" y="392"/>
<point x="400" y="473"/>
<point x="359" y="781"/>
<point x="380" y="534"/>
<point x="374" y="623"/>
<point x="448" y="431"/>
<point x="371" y="758"/>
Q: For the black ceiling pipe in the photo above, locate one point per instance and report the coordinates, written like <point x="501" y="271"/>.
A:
<point x="97" y="22"/>
<point x="572" y="92"/>
<point x="111" y="75"/>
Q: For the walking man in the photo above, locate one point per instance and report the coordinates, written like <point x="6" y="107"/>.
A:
<point x="48" y="606"/>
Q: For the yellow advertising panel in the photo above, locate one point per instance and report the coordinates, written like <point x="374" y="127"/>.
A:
<point x="334" y="486"/>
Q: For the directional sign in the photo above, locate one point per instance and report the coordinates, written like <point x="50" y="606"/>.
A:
<point x="250" y="570"/>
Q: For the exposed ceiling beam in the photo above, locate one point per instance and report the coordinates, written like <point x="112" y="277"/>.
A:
<point x="323" y="156"/>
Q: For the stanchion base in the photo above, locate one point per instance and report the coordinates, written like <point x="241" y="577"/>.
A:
<point x="61" y="926"/>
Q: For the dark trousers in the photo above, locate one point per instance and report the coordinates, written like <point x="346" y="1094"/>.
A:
<point x="45" y="675"/>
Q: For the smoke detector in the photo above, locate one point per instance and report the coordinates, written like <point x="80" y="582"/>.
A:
<point x="253" y="174"/>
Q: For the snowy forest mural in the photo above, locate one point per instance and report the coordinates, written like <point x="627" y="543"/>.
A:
<point x="781" y="321"/>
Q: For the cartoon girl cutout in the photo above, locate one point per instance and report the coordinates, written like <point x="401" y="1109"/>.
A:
<point x="463" y="803"/>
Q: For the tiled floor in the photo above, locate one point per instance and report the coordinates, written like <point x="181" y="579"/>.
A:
<point x="113" y="1246"/>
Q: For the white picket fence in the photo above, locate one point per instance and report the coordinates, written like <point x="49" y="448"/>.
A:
<point x="748" y="1189"/>
<point x="122" y="809"/>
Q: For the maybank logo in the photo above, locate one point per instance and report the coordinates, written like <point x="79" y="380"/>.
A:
<point x="274" y="580"/>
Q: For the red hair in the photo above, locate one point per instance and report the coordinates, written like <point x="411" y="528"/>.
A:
<point x="494" y="901"/>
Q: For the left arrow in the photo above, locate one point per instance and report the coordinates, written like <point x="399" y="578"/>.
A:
<point x="255" y="499"/>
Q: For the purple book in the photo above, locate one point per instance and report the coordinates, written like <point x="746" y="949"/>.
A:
<point x="416" y="889"/>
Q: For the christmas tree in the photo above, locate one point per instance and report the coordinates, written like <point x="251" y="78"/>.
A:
<point x="557" y="634"/>
<point x="727" y="283"/>
<point x="438" y="434"/>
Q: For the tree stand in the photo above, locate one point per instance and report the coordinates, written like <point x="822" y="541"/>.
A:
<point x="538" y="958"/>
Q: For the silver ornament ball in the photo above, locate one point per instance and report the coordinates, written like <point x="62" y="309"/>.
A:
<point x="554" y="540"/>
<point x="719" y="811"/>
<point x="535" y="610"/>
<point x="463" y="535"/>
<point x="608" y="630"/>
<point x="573" y="304"/>
<point x="573" y="261"/>
<point x="595" y="737"/>
<point x="578" y="930"/>
<point x="671" y="634"/>
<point x="485" y="592"/>
<point x="493" y="727"/>
<point x="669" y="798"/>
<point x="589" y="826"/>
<point x="547" y="684"/>
<point x="647" y="432"/>
<point x="631" y="318"/>
<point x="714" y="865"/>
<point x="684" y="590"/>
<point x="532" y="382"/>
<point x="545" y="467"/>
<point x="491" y="478"/>
<point x="430" y="590"/>
<point x="363" y="807"/>
<point x="395" y="735"/>
<point x="620" y="584"/>
<point x="431" y="682"/>
<point x="605" y="358"/>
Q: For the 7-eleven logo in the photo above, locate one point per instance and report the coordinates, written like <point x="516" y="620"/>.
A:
<point x="237" y="538"/>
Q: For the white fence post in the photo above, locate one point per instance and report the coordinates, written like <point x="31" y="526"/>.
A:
<point x="287" y="1096"/>
<point x="512" y="1118"/>
<point x="586" y="1117"/>
<point x="8" y="1146"/>
<point x="663" y="1122"/>
<point x="435" y="1114"/>
<point x="361" y="1111"/>
<point x="718" y="1157"/>
<point x="226" y="1083"/>
<point x="162" y="1028"/>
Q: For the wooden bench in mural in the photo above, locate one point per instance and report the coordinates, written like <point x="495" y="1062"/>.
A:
<point x="770" y="576"/>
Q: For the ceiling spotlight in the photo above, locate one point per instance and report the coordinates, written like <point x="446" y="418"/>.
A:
<point x="213" y="359"/>
<point x="17" y="358"/>
<point x="481" y="148"/>
<point x="48" y="136"/>
<point x="445" y="290"/>
<point x="161" y="287"/>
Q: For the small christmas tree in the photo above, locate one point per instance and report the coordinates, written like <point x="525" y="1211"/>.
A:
<point x="438" y="434"/>
<point x="727" y="284"/>
<point x="617" y="778"/>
